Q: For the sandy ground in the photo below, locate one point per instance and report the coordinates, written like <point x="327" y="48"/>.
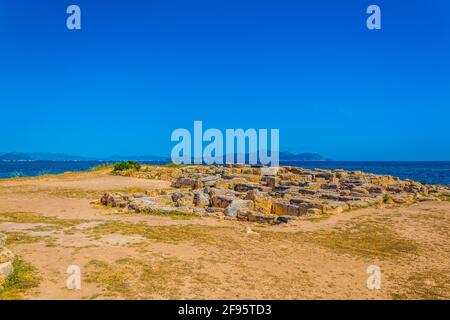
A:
<point x="51" y="223"/>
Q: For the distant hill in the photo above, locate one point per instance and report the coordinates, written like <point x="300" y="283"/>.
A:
<point x="137" y="158"/>
<point x="15" y="156"/>
<point x="289" y="156"/>
<point x="286" y="156"/>
<point x="40" y="156"/>
<point x="45" y="156"/>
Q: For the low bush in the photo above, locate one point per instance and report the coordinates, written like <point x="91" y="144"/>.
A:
<point x="127" y="165"/>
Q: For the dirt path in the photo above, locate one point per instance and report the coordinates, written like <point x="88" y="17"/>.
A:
<point x="51" y="224"/>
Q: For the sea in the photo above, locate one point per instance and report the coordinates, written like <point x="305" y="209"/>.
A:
<point x="433" y="172"/>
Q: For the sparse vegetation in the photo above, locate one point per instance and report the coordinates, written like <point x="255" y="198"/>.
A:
<point x="426" y="285"/>
<point x="174" y="165"/>
<point x="367" y="239"/>
<point x="23" y="279"/>
<point x="170" y="234"/>
<point x="127" y="165"/>
<point x="132" y="278"/>
<point x="362" y="238"/>
<point x="21" y="238"/>
<point x="172" y="214"/>
<point x="387" y="199"/>
<point x="27" y="217"/>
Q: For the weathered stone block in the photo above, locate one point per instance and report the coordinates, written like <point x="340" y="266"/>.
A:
<point x="201" y="199"/>
<point x="330" y="186"/>
<point x="183" y="199"/>
<point x="269" y="171"/>
<point x="186" y="182"/>
<point x="375" y="189"/>
<point x="313" y="211"/>
<point x="222" y="201"/>
<point x="262" y="218"/>
<point x="244" y="187"/>
<point x="394" y="189"/>
<point x="361" y="191"/>
<point x="307" y="191"/>
<point x="262" y="201"/>
<point x="141" y="204"/>
<point x="320" y="180"/>
<point x="6" y="255"/>
<point x="6" y="269"/>
<point x="335" y="207"/>
<point x="112" y="200"/>
<point x="282" y="209"/>
<point x="209" y="181"/>
<point x="235" y="205"/>
<point x="271" y="182"/>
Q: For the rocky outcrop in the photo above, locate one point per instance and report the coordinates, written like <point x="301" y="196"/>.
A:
<point x="6" y="261"/>
<point x="272" y="195"/>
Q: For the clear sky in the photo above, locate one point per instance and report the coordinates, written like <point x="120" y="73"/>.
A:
<point x="140" y="69"/>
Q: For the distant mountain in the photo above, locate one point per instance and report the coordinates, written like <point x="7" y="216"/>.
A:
<point x="40" y="156"/>
<point x="15" y="156"/>
<point x="137" y="158"/>
<point x="284" y="156"/>
<point x="45" y="156"/>
<point x="289" y="156"/>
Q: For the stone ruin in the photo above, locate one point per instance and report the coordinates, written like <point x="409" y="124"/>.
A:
<point x="6" y="261"/>
<point x="269" y="195"/>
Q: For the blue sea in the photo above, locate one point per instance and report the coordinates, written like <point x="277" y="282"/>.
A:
<point x="425" y="172"/>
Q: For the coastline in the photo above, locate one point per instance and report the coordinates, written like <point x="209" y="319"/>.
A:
<point x="55" y="221"/>
<point x="432" y="172"/>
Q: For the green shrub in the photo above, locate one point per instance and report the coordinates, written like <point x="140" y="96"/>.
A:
<point x="127" y="165"/>
<point x="387" y="199"/>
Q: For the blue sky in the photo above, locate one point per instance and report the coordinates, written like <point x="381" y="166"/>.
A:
<point x="140" y="69"/>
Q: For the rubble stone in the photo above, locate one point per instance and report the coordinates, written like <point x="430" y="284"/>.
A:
<point x="201" y="199"/>
<point x="222" y="201"/>
<point x="261" y="200"/>
<point x="271" y="195"/>
<point x="235" y="205"/>
<point x="183" y="199"/>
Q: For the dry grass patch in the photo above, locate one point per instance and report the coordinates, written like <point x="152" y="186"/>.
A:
<point x="137" y="279"/>
<point x="367" y="239"/>
<point x="361" y="237"/>
<point x="47" y="223"/>
<point x="74" y="193"/>
<point x="437" y="222"/>
<point x="22" y="280"/>
<point x="426" y="285"/>
<point x="169" y="234"/>
<point x="29" y="217"/>
<point x="21" y="238"/>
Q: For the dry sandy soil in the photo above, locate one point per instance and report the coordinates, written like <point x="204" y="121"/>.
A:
<point x="51" y="223"/>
